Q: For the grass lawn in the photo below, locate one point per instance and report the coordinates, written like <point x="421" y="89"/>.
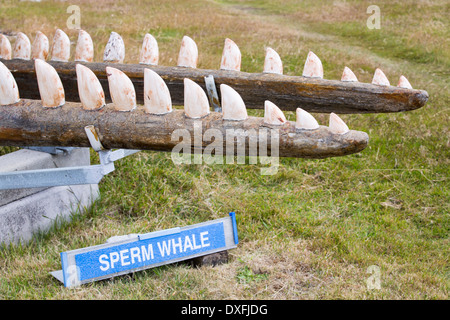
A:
<point x="314" y="229"/>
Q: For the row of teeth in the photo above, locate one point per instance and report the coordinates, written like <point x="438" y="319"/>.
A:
<point x="157" y="99"/>
<point x="188" y="55"/>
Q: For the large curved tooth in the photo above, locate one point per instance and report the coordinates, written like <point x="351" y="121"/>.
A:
<point x="337" y="125"/>
<point x="196" y="104"/>
<point x="22" y="47"/>
<point x="157" y="98"/>
<point x="61" y="46"/>
<point x="313" y="66"/>
<point x="231" y="56"/>
<point x="49" y="83"/>
<point x="188" y="56"/>
<point x="84" y="51"/>
<point x="149" y="52"/>
<point x="115" y="49"/>
<point x="272" y="62"/>
<point x="40" y="47"/>
<point x="123" y="94"/>
<point x="305" y="121"/>
<point x="9" y="92"/>
<point x="5" y="47"/>
<point x="380" y="78"/>
<point x="272" y="114"/>
<point x="404" y="83"/>
<point x="348" y="75"/>
<point x="89" y="89"/>
<point x="233" y="107"/>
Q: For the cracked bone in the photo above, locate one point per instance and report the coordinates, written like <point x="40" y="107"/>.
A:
<point x="313" y="66"/>
<point x="90" y="90"/>
<point x="9" y="92"/>
<point x="196" y="103"/>
<point x="272" y="114"/>
<point x="123" y="94"/>
<point x="188" y="55"/>
<point x="231" y="56"/>
<point x="348" y="75"/>
<point x="115" y="49"/>
<point x="337" y="125"/>
<point x="404" y="83"/>
<point x="22" y="47"/>
<point x="379" y="78"/>
<point x="272" y="62"/>
<point x="84" y="51"/>
<point x="5" y="47"/>
<point x="157" y="98"/>
<point x="305" y="121"/>
<point x="50" y="86"/>
<point x="61" y="46"/>
<point x="149" y="52"/>
<point x="40" y="47"/>
<point x="233" y="107"/>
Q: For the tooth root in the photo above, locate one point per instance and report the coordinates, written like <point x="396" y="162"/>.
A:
<point x="305" y="121"/>
<point x="5" y="47"/>
<point x="404" y="83"/>
<point x="61" y="46"/>
<point x="123" y="94"/>
<point x="115" y="49"/>
<point x="231" y="56"/>
<point x="380" y="78"/>
<point x="157" y="98"/>
<point x="22" y="47"/>
<point x="233" y="107"/>
<point x="196" y="104"/>
<point x="9" y="92"/>
<point x="40" y="46"/>
<point x="188" y="56"/>
<point x="348" y="75"/>
<point x="337" y="125"/>
<point x="272" y="62"/>
<point x="149" y="52"/>
<point x="84" y="51"/>
<point x="89" y="89"/>
<point x="49" y="83"/>
<point x="272" y="114"/>
<point x="313" y="66"/>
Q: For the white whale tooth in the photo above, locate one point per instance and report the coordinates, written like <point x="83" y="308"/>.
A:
<point x="149" y="52"/>
<point x="188" y="56"/>
<point x="305" y="121"/>
<point x="313" y="66"/>
<point x="272" y="114"/>
<point x="115" y="49"/>
<point x="90" y="90"/>
<point x="49" y="83"/>
<point x="231" y="56"/>
<point x="272" y="62"/>
<point x="348" y="75"/>
<point x="22" y="47"/>
<point x="337" y="125"/>
<point x="61" y="46"/>
<point x="40" y="47"/>
<point x="380" y="78"/>
<point x="5" y="47"/>
<point x="157" y="98"/>
<point x="233" y="107"/>
<point x="404" y="83"/>
<point x="123" y="94"/>
<point x="196" y="103"/>
<point x="84" y="51"/>
<point x="9" y="92"/>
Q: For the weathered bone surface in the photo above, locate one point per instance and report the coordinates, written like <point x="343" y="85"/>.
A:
<point x="149" y="52"/>
<point x="273" y="115"/>
<point x="404" y="83"/>
<point x="379" y="78"/>
<point x="305" y="121"/>
<point x="231" y="56"/>
<point x="233" y="107"/>
<point x="156" y="94"/>
<point x="348" y="75"/>
<point x="22" y="47"/>
<point x="60" y="46"/>
<point x="40" y="47"/>
<point x="272" y="62"/>
<point x="313" y="66"/>
<point x="9" y="92"/>
<point x="5" y="47"/>
<point x="84" y="51"/>
<point x="188" y="55"/>
<point x="50" y="86"/>
<point x="115" y="49"/>
<point x="337" y="125"/>
<point x="122" y="90"/>
<point x="89" y="88"/>
<point x="27" y="123"/>
<point x="196" y="103"/>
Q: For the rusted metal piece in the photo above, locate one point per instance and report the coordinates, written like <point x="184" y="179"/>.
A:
<point x="27" y="123"/>
<point x="288" y="92"/>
